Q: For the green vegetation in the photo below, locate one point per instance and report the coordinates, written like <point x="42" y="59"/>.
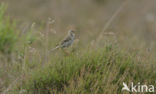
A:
<point x="95" y="72"/>
<point x="7" y="32"/>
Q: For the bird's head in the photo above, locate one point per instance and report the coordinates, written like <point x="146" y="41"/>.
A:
<point x="72" y="32"/>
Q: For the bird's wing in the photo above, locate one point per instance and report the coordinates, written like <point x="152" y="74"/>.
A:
<point x="65" y="40"/>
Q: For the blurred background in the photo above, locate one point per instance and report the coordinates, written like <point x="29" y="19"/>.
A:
<point x="134" y="27"/>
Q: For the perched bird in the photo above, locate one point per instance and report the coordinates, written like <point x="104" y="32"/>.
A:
<point x="67" y="41"/>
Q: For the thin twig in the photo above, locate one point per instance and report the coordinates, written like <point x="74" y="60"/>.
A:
<point x="50" y="21"/>
<point x="46" y="41"/>
<point x="111" y="19"/>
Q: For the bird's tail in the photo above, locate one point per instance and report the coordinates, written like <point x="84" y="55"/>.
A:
<point x="54" y="48"/>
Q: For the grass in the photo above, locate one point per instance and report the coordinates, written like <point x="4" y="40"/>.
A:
<point x="7" y="32"/>
<point x="87" y="69"/>
<point x="95" y="72"/>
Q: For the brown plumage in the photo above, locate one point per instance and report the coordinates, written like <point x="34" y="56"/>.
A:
<point x="67" y="41"/>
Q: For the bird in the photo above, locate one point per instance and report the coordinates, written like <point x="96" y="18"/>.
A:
<point x="68" y="41"/>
